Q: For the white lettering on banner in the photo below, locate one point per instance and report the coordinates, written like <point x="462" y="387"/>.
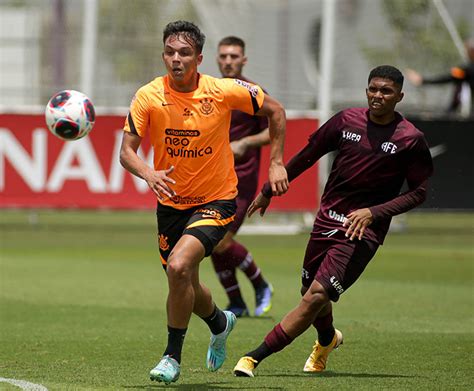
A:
<point x="117" y="172"/>
<point x="88" y="169"/>
<point x="31" y="168"/>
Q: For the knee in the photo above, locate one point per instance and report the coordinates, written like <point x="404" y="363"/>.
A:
<point x="315" y="298"/>
<point x="178" y="270"/>
<point x="303" y="290"/>
<point x="223" y="245"/>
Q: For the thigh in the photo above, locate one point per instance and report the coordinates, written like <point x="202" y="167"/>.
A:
<point x="171" y="225"/>
<point x="209" y="223"/>
<point x="343" y="264"/>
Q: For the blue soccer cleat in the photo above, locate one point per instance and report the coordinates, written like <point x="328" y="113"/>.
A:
<point x="263" y="300"/>
<point x="238" y="311"/>
<point x="216" y="353"/>
<point x="166" y="371"/>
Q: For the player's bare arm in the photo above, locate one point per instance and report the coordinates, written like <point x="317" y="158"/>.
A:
<point x="156" y="180"/>
<point x="260" y="202"/>
<point x="275" y="112"/>
<point x="241" y="146"/>
<point x="356" y="222"/>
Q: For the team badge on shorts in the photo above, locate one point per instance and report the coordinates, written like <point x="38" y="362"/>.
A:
<point x="163" y="242"/>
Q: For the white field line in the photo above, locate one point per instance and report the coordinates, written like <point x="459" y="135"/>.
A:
<point x="24" y="385"/>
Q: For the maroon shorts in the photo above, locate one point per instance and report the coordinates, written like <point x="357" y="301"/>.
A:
<point x="335" y="261"/>
<point x="247" y="189"/>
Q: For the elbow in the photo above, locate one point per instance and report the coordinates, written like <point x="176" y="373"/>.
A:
<point x="122" y="158"/>
<point x="281" y="111"/>
<point x="423" y="196"/>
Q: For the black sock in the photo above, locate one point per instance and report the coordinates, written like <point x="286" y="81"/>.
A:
<point x="175" y="343"/>
<point x="325" y="337"/>
<point x="263" y="285"/>
<point x="262" y="352"/>
<point x="217" y="321"/>
<point x="237" y="302"/>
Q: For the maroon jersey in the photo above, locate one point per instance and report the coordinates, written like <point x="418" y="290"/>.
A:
<point x="372" y="163"/>
<point x="243" y="125"/>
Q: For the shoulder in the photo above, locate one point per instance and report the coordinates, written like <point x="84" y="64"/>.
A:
<point x="408" y="128"/>
<point x="410" y="133"/>
<point x="153" y="88"/>
<point x="353" y="113"/>
<point x="247" y="80"/>
<point x="349" y="115"/>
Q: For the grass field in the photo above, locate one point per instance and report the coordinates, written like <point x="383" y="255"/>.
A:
<point x="82" y="299"/>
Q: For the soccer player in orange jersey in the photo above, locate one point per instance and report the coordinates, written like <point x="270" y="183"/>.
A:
<point x="186" y="116"/>
<point x="248" y="133"/>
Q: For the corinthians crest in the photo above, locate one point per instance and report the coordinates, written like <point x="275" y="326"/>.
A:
<point x="206" y="106"/>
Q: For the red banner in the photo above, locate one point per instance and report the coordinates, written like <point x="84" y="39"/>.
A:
<point x="38" y="170"/>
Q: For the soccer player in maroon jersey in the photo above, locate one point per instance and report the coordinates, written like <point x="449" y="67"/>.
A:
<point x="378" y="150"/>
<point x="248" y="133"/>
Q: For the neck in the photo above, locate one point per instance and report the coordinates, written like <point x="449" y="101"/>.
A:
<point x="382" y="120"/>
<point x="184" y="86"/>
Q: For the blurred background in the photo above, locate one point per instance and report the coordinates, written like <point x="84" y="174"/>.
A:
<point x="312" y="55"/>
<point x="82" y="292"/>
<point x="108" y="48"/>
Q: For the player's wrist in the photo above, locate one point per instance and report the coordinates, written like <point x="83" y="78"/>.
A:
<point x="267" y="190"/>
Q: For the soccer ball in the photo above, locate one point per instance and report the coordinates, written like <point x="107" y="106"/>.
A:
<point x="70" y="115"/>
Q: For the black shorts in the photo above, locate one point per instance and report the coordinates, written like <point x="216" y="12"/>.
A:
<point x="208" y="223"/>
<point x="335" y="261"/>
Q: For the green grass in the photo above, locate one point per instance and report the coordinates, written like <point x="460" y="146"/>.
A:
<point x="82" y="299"/>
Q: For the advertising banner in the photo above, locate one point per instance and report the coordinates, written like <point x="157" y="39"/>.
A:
<point x="38" y="170"/>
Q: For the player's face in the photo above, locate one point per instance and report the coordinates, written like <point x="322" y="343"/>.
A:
<point x="181" y="61"/>
<point x="382" y="97"/>
<point x="231" y="60"/>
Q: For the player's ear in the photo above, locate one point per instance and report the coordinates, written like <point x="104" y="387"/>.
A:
<point x="244" y="60"/>
<point x="199" y="59"/>
<point x="400" y="96"/>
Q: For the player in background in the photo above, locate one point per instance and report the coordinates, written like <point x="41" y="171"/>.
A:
<point x="187" y="115"/>
<point x="378" y="149"/>
<point x="462" y="75"/>
<point x="248" y="133"/>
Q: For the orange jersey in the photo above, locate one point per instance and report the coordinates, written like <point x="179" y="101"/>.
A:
<point x="190" y="131"/>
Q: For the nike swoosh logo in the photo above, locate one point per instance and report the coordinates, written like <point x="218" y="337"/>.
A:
<point x="330" y="233"/>
<point x="438" y="150"/>
<point x="166" y="104"/>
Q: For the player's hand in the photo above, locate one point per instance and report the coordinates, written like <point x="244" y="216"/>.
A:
<point x="357" y="221"/>
<point x="158" y="183"/>
<point x="278" y="179"/>
<point x="261" y="202"/>
<point x="414" y="77"/>
<point x="239" y="148"/>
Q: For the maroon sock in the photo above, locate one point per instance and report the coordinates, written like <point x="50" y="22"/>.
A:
<point x="277" y="339"/>
<point x="325" y="329"/>
<point x="244" y="261"/>
<point x="226" y="273"/>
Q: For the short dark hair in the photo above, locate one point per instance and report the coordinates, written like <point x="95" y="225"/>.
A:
<point x="387" y="72"/>
<point x="188" y="30"/>
<point x="232" y="40"/>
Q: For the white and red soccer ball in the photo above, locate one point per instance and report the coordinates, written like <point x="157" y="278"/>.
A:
<point x="70" y="115"/>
